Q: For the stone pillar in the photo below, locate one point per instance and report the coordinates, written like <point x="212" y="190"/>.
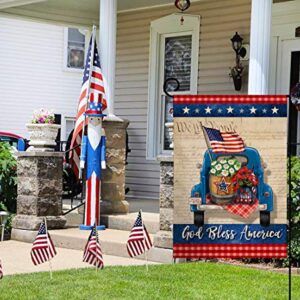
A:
<point x="260" y="41"/>
<point x="39" y="193"/>
<point x="113" y="182"/>
<point x="164" y="237"/>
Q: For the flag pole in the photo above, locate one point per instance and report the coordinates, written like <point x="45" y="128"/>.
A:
<point x="48" y="248"/>
<point x="144" y="242"/>
<point x="96" y="247"/>
<point x="206" y="141"/>
<point x="89" y="84"/>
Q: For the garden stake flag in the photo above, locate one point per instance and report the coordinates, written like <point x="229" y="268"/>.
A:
<point x="42" y="249"/>
<point x="226" y="142"/>
<point x="92" y="84"/>
<point x="139" y="240"/>
<point x="234" y="205"/>
<point x="92" y="252"/>
<point x="1" y="271"/>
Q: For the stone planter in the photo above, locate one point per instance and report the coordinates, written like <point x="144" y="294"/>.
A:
<point x="42" y="136"/>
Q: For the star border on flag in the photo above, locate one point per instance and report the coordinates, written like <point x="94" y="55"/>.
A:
<point x="186" y="110"/>
<point x="208" y="110"/>
<point x="230" y="110"/>
<point x="253" y="110"/>
<point x="275" y="110"/>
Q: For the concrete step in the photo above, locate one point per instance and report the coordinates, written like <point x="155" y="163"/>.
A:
<point x="125" y="222"/>
<point x="74" y="219"/>
<point x="113" y="242"/>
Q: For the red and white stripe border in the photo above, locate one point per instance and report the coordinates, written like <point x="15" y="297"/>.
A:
<point x="230" y="99"/>
<point x="230" y="251"/>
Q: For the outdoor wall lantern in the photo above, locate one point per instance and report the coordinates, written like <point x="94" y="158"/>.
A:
<point x="182" y="5"/>
<point x="236" y="72"/>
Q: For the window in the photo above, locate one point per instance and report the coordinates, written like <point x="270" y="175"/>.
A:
<point x="174" y="52"/>
<point x="75" y="43"/>
<point x="177" y="51"/>
<point x="70" y="125"/>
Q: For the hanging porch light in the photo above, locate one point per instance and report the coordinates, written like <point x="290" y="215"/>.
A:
<point x="182" y="5"/>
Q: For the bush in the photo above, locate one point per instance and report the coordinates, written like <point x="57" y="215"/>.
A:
<point x="8" y="178"/>
<point x="295" y="209"/>
<point x="295" y="219"/>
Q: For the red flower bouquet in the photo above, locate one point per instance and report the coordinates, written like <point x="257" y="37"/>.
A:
<point x="244" y="178"/>
<point x="245" y="183"/>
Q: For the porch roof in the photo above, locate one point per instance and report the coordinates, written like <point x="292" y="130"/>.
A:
<point x="69" y="11"/>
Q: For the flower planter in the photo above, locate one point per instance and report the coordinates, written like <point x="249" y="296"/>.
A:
<point x="42" y="136"/>
<point x="221" y="189"/>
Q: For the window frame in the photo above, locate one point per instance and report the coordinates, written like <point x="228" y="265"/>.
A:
<point x="159" y="29"/>
<point x="65" y="58"/>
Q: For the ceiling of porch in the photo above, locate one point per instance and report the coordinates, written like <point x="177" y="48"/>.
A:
<point x="69" y="11"/>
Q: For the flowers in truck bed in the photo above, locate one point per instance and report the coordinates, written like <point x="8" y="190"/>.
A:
<point x="225" y="167"/>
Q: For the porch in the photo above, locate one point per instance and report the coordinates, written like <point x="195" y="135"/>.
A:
<point x="127" y="31"/>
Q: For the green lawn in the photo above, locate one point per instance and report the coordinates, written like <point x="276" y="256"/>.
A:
<point x="180" y="281"/>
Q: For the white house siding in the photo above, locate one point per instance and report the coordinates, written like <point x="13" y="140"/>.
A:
<point x="32" y="74"/>
<point x="219" y="21"/>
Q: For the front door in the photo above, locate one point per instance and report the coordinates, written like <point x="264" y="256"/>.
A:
<point x="289" y="75"/>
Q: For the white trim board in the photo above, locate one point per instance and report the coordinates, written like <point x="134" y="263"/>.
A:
<point x="13" y="3"/>
<point x="153" y="7"/>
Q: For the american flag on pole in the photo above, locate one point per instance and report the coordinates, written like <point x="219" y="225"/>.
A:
<point x="224" y="142"/>
<point x="139" y="240"/>
<point x="92" y="252"/>
<point x="42" y="249"/>
<point x="1" y="271"/>
<point x="92" y="84"/>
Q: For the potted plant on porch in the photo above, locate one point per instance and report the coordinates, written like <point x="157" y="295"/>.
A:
<point x="42" y="130"/>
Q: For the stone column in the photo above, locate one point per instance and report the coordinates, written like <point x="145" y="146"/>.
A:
<point x="260" y="40"/>
<point x="164" y="237"/>
<point x="39" y="193"/>
<point x="113" y="182"/>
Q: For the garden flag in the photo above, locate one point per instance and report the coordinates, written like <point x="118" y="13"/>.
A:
<point x="43" y="248"/>
<point x="139" y="240"/>
<point x="92" y="90"/>
<point x="92" y="252"/>
<point x="224" y="142"/>
<point x="1" y="271"/>
<point x="233" y="206"/>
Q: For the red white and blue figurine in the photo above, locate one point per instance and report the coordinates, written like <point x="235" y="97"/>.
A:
<point x="93" y="150"/>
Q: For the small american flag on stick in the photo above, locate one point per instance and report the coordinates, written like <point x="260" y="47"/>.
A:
<point x="42" y="249"/>
<point x="1" y="270"/>
<point x="92" y="90"/>
<point x="139" y="240"/>
<point x="224" y="142"/>
<point x="92" y="252"/>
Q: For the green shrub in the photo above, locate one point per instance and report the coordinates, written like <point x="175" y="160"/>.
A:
<point x="8" y="178"/>
<point x="295" y="209"/>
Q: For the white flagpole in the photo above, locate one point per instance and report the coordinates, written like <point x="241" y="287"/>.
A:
<point x="146" y="255"/>
<point x="96" y="248"/>
<point x="89" y="83"/>
<point x="206" y="141"/>
<point x="48" y="249"/>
